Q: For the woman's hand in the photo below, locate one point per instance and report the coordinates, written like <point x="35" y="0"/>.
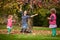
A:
<point x="36" y="14"/>
<point x="32" y="15"/>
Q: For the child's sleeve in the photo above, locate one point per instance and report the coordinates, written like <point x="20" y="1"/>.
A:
<point x="28" y="16"/>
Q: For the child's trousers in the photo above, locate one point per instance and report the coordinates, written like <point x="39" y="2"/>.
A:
<point x="53" y="31"/>
<point x="9" y="29"/>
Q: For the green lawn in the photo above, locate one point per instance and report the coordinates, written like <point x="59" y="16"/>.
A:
<point x="34" y="28"/>
<point x="28" y="36"/>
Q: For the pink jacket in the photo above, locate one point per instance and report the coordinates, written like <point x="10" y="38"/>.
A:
<point x="54" y="19"/>
<point x="9" y="23"/>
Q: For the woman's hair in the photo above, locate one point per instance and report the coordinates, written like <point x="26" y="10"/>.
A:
<point x="53" y="10"/>
<point x="27" y="12"/>
<point x="10" y="16"/>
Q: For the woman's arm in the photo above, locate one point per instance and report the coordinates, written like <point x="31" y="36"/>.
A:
<point x="33" y="15"/>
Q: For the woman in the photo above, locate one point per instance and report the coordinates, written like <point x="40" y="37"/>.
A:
<point x="25" y="21"/>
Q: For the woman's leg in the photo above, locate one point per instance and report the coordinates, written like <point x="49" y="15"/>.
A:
<point x="24" y="28"/>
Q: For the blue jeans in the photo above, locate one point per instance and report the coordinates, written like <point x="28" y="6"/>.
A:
<point x="24" y="26"/>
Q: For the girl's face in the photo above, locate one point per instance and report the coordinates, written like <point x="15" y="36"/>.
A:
<point x="11" y="17"/>
<point x="52" y="12"/>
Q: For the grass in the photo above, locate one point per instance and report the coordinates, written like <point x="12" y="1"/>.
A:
<point x="28" y="36"/>
<point x="34" y="28"/>
<point x="43" y="28"/>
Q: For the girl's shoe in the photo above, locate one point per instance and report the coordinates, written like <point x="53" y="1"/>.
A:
<point x="53" y="35"/>
<point x="8" y="33"/>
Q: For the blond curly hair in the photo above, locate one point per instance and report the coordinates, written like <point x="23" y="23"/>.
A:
<point x="53" y="10"/>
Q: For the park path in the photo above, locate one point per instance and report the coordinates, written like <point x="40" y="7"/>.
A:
<point x="42" y="32"/>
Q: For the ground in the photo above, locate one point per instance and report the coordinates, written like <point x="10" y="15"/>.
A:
<point x="38" y="33"/>
<point x="34" y="32"/>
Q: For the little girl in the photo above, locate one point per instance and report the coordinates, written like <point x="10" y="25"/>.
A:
<point x="52" y="21"/>
<point x="9" y="23"/>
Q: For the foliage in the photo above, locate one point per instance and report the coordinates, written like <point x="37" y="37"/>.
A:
<point x="11" y="7"/>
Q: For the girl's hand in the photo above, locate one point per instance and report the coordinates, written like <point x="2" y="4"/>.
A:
<point x="14" y="21"/>
<point x="49" y="18"/>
